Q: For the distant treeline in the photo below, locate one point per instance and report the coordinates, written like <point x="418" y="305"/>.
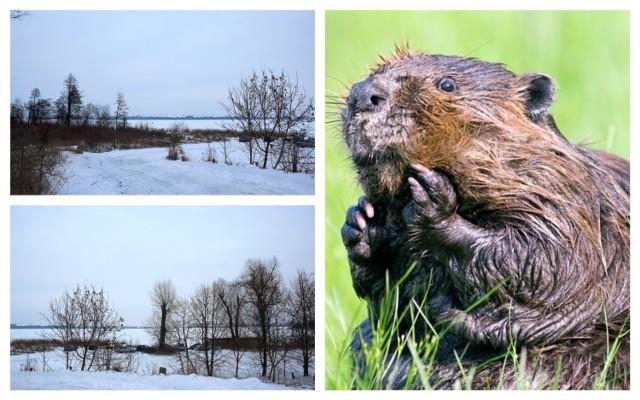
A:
<point x="16" y="326"/>
<point x="151" y="117"/>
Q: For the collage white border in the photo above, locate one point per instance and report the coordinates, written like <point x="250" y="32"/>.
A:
<point x="317" y="200"/>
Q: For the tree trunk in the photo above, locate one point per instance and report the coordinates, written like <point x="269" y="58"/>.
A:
<point x="163" y="328"/>
<point x="266" y="154"/>
<point x="264" y="356"/>
<point x="282" y="148"/>
<point x="237" y="366"/>
<point x="68" y="117"/>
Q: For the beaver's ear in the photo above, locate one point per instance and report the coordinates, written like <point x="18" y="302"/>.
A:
<point x="537" y="91"/>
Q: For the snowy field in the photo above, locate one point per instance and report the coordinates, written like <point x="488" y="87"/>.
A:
<point x="55" y="377"/>
<point x="109" y="380"/>
<point x="49" y="373"/>
<point x="147" y="171"/>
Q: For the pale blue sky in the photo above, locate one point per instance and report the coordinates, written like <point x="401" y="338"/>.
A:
<point x="125" y="249"/>
<point x="165" y="62"/>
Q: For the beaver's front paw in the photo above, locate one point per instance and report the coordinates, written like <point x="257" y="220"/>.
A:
<point x="356" y="231"/>
<point x="365" y="238"/>
<point x="433" y="199"/>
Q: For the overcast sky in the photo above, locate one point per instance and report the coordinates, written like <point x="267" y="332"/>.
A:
<point x="125" y="249"/>
<point x="164" y="62"/>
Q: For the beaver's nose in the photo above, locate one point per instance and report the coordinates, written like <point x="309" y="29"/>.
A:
<point x="366" y="96"/>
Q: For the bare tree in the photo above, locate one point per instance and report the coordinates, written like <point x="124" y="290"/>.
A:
<point x="63" y="318"/>
<point x="70" y="100"/>
<point x="293" y="111"/>
<point x="121" y="111"/>
<point x="163" y="296"/>
<point x="206" y="312"/>
<point x="200" y="308"/>
<point x="279" y="336"/>
<point x="60" y="110"/>
<point x="302" y="310"/>
<point x="17" y="112"/>
<point x="32" y="106"/>
<point x="86" y="113"/>
<point x="80" y="320"/>
<point x="233" y="298"/>
<point x="102" y="115"/>
<point x="264" y="108"/>
<point x="182" y="333"/>
<point x="242" y="105"/>
<point x="152" y="324"/>
<point x="264" y="293"/>
<point x="38" y="109"/>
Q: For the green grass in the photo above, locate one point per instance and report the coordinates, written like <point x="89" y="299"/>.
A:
<point x="587" y="53"/>
<point x="389" y="343"/>
<point x="385" y="355"/>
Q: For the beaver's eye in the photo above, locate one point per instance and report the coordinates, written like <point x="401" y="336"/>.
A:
<point x="447" y="85"/>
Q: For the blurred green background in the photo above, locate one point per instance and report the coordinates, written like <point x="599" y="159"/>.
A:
<point x="586" y="52"/>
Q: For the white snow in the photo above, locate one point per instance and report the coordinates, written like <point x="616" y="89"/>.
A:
<point x="55" y="377"/>
<point x="70" y="380"/>
<point x="50" y="373"/>
<point x="147" y="171"/>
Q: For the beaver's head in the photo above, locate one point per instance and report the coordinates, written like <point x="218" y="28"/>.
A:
<point x="429" y="108"/>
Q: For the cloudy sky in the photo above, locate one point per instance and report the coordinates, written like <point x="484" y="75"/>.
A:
<point x="125" y="249"/>
<point x="164" y="62"/>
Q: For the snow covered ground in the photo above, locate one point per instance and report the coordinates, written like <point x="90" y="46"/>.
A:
<point x="50" y="373"/>
<point x="147" y="171"/>
<point x="53" y="376"/>
<point x="68" y="380"/>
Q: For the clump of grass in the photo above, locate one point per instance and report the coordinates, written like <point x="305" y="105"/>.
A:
<point x="605" y="380"/>
<point x="396" y="351"/>
<point x="384" y="355"/>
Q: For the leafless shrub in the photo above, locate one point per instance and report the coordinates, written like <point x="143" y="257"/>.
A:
<point x="44" y="359"/>
<point x="36" y="167"/>
<point x="127" y="362"/>
<point x="226" y="150"/>
<point x="210" y="155"/>
<point x="29" y="364"/>
<point x="176" y="152"/>
<point x="150" y="369"/>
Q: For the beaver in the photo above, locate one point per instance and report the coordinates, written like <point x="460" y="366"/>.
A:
<point x="475" y="201"/>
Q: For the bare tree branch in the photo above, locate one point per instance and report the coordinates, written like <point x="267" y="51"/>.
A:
<point x="18" y="15"/>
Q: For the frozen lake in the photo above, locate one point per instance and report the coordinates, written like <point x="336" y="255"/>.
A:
<point x="132" y="335"/>
<point x="166" y="123"/>
<point x="189" y="123"/>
